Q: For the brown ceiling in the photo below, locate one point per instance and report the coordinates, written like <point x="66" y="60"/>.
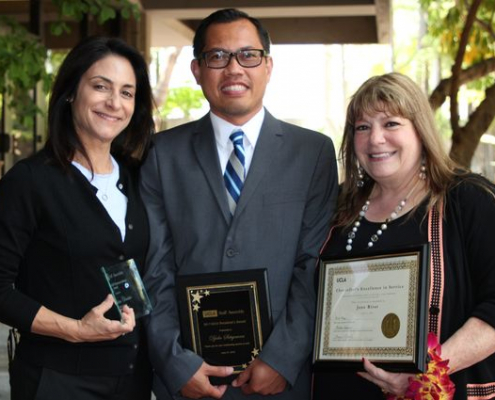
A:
<point x="288" y="21"/>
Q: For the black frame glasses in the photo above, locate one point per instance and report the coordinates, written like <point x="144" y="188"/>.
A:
<point x="247" y="58"/>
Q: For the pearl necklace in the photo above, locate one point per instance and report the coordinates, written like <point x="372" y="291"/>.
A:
<point x="383" y="227"/>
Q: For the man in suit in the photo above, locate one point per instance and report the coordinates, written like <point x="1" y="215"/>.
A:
<point x="288" y="188"/>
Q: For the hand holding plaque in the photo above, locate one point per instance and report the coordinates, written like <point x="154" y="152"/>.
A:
<point x="225" y="317"/>
<point x="127" y="288"/>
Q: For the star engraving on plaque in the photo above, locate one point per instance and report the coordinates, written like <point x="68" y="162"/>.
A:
<point x="196" y="296"/>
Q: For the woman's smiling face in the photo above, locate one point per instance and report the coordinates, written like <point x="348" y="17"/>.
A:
<point x="104" y="102"/>
<point x="387" y="147"/>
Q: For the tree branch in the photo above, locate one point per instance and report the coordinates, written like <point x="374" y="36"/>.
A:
<point x="476" y="71"/>
<point x="456" y="68"/>
<point x="487" y="27"/>
<point x="161" y="89"/>
<point x="464" y="147"/>
<point x="481" y="119"/>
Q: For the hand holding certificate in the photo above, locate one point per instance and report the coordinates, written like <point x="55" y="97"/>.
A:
<point x="373" y="307"/>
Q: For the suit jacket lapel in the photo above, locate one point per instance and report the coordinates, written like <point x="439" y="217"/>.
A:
<point x="269" y="143"/>
<point x="207" y="154"/>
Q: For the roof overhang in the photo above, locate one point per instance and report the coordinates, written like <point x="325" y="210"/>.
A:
<point x="172" y="22"/>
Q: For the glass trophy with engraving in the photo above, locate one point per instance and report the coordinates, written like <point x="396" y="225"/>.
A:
<point x="127" y="287"/>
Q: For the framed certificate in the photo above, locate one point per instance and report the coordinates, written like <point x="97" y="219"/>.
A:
<point x="376" y="307"/>
<point x="225" y="317"/>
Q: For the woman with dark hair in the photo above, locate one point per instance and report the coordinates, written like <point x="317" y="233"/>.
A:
<point x="402" y="189"/>
<point x="66" y="212"/>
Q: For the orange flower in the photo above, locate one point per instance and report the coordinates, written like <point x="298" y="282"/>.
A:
<point x="435" y="384"/>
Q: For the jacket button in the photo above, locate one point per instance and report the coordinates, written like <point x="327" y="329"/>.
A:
<point x="131" y="227"/>
<point x="121" y="257"/>
<point x="434" y="310"/>
<point x="231" y="253"/>
<point x="120" y="186"/>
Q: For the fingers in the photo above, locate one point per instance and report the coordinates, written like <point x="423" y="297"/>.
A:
<point x="217" y="392"/>
<point x="395" y="383"/>
<point x="220" y="372"/>
<point x="127" y="323"/>
<point x="371" y="368"/>
<point x="260" y="378"/>
<point x="220" y="390"/>
<point x="243" y="378"/>
<point x="379" y="376"/>
<point x="199" y="385"/>
<point x="94" y="326"/>
<point x="372" y="374"/>
<point x="128" y="318"/>
<point x="104" y="306"/>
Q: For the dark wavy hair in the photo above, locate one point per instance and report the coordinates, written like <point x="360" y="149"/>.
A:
<point x="131" y="145"/>
<point x="223" y="16"/>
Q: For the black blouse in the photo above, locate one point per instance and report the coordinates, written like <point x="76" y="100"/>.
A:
<point x="408" y="229"/>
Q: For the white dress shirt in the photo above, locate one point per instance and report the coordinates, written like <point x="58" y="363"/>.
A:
<point x="223" y="129"/>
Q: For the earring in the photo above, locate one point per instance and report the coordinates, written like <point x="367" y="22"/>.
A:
<point x="360" y="181"/>
<point x="422" y="170"/>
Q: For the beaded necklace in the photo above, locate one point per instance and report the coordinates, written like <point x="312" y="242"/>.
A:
<point x="383" y="227"/>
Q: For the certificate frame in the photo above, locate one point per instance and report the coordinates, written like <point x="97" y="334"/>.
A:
<point x="225" y="317"/>
<point x="373" y="305"/>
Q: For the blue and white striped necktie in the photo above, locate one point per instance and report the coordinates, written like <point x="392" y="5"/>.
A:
<point x="235" y="172"/>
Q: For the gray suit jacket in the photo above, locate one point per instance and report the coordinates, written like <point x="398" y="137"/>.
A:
<point x="280" y="223"/>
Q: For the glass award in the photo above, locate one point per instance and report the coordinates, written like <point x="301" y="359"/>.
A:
<point x="127" y="288"/>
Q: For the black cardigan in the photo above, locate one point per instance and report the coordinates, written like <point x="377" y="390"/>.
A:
<point x="468" y="289"/>
<point x="54" y="237"/>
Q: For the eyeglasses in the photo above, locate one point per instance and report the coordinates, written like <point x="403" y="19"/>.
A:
<point x="248" y="58"/>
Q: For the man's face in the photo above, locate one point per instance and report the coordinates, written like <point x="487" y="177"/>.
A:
<point x="235" y="93"/>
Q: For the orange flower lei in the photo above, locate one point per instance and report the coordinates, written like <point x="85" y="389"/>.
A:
<point x="435" y="384"/>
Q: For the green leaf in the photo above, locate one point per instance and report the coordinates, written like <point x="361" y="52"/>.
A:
<point x="23" y="57"/>
<point x="67" y="9"/>
<point x="56" y="28"/>
<point x="106" y="14"/>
